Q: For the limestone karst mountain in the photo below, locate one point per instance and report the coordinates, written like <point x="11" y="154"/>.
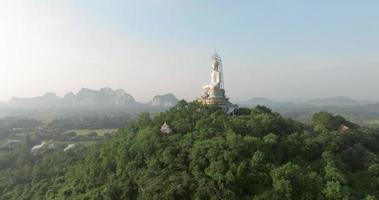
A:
<point x="69" y="98"/>
<point x="166" y="100"/>
<point x="48" y="100"/>
<point x="94" y="99"/>
<point x="105" y="97"/>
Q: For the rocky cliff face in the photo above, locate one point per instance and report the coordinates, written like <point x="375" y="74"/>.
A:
<point x="69" y="99"/>
<point x="166" y="100"/>
<point x="104" y="97"/>
<point x="47" y="100"/>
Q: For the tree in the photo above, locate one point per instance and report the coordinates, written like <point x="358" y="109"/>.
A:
<point x="210" y="155"/>
<point x="331" y="122"/>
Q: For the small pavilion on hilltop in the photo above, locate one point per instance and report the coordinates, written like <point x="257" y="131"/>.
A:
<point x="165" y="128"/>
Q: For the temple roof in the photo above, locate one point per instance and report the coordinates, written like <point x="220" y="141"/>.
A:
<point x="165" y="128"/>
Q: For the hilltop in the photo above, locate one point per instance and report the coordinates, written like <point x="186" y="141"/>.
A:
<point x="255" y="154"/>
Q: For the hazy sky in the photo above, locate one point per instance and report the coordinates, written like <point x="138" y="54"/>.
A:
<point x="277" y="49"/>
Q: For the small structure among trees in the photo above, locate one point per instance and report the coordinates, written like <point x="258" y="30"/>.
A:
<point x="165" y="128"/>
<point x="343" y="128"/>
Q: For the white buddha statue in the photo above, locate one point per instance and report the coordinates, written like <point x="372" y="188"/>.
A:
<point x="216" y="76"/>
<point x="216" y="73"/>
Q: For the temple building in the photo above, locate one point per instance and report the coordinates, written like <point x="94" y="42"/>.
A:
<point x="165" y="128"/>
<point x="214" y="93"/>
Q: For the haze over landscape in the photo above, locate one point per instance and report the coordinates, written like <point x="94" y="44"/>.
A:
<point x="203" y="100"/>
<point x="292" y="50"/>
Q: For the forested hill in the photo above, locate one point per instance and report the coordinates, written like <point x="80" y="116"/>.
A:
<point x="256" y="154"/>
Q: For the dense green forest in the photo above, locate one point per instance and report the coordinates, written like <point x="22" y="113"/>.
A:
<point x="255" y="154"/>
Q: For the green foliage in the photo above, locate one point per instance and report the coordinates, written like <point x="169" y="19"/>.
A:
<point x="256" y="154"/>
<point x="330" y="121"/>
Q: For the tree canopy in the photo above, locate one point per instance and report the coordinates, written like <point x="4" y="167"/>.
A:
<point x="256" y="154"/>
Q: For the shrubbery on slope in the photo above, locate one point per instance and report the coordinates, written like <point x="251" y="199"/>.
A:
<point x="256" y="154"/>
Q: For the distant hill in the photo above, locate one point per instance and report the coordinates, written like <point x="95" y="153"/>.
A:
<point x="2" y="105"/>
<point x="106" y="102"/>
<point x="259" y="101"/>
<point x="266" y="102"/>
<point x="48" y="100"/>
<point x="333" y="101"/>
<point x="319" y="102"/>
<point x="166" y="100"/>
<point x="103" y="98"/>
